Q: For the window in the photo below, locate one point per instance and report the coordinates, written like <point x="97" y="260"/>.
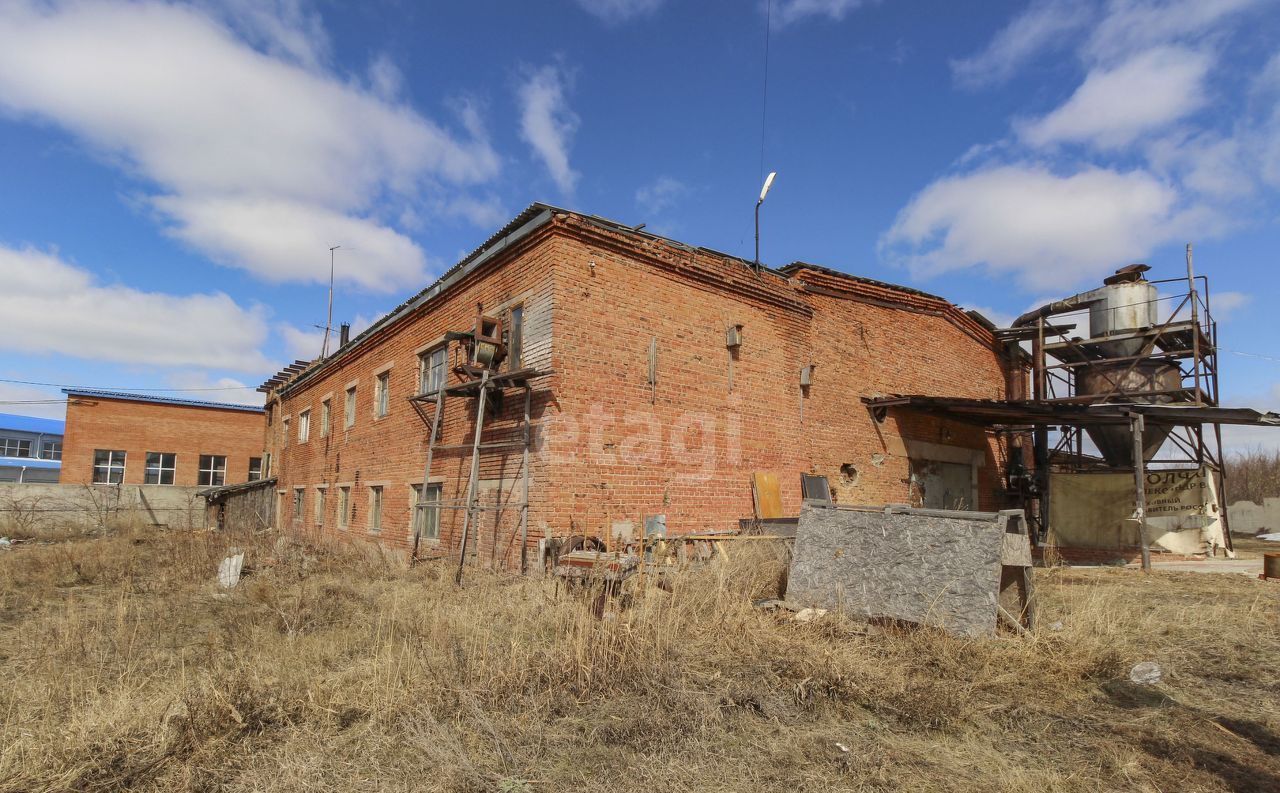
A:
<point x="160" y="468"/>
<point x="108" y="467"/>
<point x="515" y="340"/>
<point x="304" y="426"/>
<point x="13" y="447"/>
<point x="255" y="469"/>
<point x="325" y="417"/>
<point x="320" y="492"/>
<point x="381" y="385"/>
<point x="426" y="512"/>
<point x="344" y="507"/>
<point x="213" y="470"/>
<point x="51" y="450"/>
<point x="350" y="418"/>
<point x="284" y="436"/>
<point x="299" y="497"/>
<point x="431" y="371"/>
<point x="375" y="508"/>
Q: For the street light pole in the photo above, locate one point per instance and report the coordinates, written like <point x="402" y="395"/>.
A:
<point x="768" y="182"/>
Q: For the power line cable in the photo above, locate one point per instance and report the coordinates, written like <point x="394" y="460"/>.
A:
<point x="122" y="388"/>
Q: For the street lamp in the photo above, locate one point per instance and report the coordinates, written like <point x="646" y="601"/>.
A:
<point x="764" y="191"/>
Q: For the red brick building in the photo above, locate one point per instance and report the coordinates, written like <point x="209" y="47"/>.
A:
<point x="664" y="376"/>
<point x="136" y="439"/>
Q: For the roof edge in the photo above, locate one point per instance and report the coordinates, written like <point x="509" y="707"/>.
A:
<point x="162" y="400"/>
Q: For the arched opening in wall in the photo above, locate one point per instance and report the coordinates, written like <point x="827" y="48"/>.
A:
<point x="848" y="474"/>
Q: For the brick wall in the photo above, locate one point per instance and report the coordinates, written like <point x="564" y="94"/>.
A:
<point x="140" y="427"/>
<point x="612" y="446"/>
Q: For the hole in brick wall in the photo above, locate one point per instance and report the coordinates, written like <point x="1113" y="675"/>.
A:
<point x="849" y="474"/>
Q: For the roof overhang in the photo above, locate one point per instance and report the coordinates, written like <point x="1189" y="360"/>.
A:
<point x="998" y="412"/>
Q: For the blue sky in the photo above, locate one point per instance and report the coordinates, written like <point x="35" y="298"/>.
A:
<point x="174" y="174"/>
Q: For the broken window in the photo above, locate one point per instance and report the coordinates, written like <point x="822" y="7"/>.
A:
<point x="299" y="500"/>
<point x="320" y="493"/>
<point x="213" y="470"/>
<point x="381" y="400"/>
<point x="431" y="371"/>
<point x="160" y="468"/>
<point x="325" y="417"/>
<point x="304" y="426"/>
<point x="108" y="467"/>
<point x="350" y="418"/>
<point x="344" y="507"/>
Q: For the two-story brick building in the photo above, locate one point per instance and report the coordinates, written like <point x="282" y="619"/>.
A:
<point x="660" y="377"/>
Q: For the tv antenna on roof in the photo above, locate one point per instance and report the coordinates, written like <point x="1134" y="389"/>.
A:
<point x="328" y="319"/>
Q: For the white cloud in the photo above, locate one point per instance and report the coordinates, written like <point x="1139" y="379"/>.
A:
<point x="661" y="194"/>
<point x="1001" y="319"/>
<point x="1115" y="106"/>
<point x="1047" y="230"/>
<point x="199" y="385"/>
<point x="789" y="11"/>
<point x="385" y="78"/>
<point x="1225" y="305"/>
<point x="548" y="124"/>
<point x="61" y="309"/>
<point x="289" y="241"/>
<point x="173" y="96"/>
<point x="27" y="400"/>
<point x="283" y="28"/>
<point x="304" y="344"/>
<point x="614" y="12"/>
<point x="1132" y="25"/>
<point x="1042" y="26"/>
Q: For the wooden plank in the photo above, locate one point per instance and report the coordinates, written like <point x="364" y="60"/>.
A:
<point x="767" y="495"/>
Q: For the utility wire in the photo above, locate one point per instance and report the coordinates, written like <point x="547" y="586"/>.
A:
<point x="121" y="388"/>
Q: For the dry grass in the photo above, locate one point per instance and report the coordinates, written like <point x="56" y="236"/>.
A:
<point x="124" y="669"/>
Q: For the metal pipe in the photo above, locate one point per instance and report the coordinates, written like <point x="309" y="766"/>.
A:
<point x="1195" y="325"/>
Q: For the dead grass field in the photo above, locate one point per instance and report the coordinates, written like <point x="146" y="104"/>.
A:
<point x="122" y="668"/>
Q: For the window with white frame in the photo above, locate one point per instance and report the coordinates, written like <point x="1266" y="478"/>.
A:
<point x="381" y="397"/>
<point x="320" y="493"/>
<point x="213" y="470"/>
<point x="160" y="468"/>
<point x="304" y="426"/>
<point x="344" y="507"/>
<point x="299" y="501"/>
<point x="15" y="447"/>
<point x="375" y="508"/>
<point x="350" y="418"/>
<point x="255" y="469"/>
<point x="51" y="450"/>
<point x="431" y="370"/>
<point x="108" y="467"/>
<point x="326" y="411"/>
<point x="426" y="511"/>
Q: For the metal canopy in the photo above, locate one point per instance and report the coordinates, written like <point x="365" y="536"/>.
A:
<point x="989" y="412"/>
